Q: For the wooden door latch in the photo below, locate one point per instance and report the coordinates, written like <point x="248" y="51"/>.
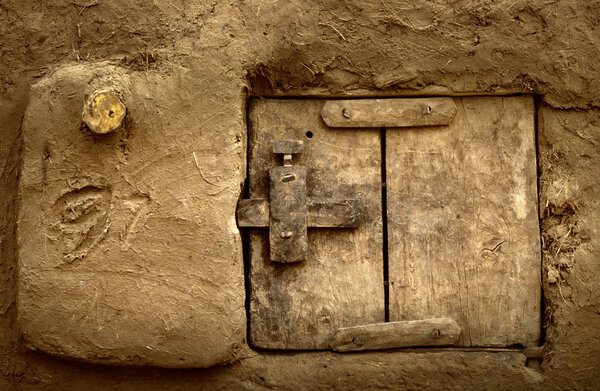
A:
<point x="288" y="212"/>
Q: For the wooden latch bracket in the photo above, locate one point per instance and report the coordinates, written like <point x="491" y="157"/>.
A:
<point x="392" y="113"/>
<point x="288" y="212"/>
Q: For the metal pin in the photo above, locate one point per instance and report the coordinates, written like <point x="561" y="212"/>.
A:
<point x="288" y="178"/>
<point x="286" y="234"/>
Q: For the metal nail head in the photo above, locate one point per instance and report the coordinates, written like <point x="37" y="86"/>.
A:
<point x="286" y="234"/>
<point x="288" y="178"/>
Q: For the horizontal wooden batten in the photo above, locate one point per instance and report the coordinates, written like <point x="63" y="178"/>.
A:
<point x="320" y="214"/>
<point x="397" y="112"/>
<point x="253" y="212"/>
<point x="390" y="335"/>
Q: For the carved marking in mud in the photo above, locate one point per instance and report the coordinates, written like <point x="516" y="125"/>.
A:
<point x="138" y="205"/>
<point x="82" y="220"/>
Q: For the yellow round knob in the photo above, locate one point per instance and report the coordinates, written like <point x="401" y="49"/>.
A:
<point x="103" y="112"/>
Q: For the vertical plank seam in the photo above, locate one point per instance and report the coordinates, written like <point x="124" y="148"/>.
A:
<point x="536" y="130"/>
<point x="384" y="228"/>
<point x="245" y="234"/>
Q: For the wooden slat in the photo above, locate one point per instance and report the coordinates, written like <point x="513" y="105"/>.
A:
<point x="400" y="112"/>
<point x="321" y="214"/>
<point x="462" y="222"/>
<point x="286" y="147"/>
<point x="253" y="212"/>
<point x="390" y="335"/>
<point x="288" y="236"/>
<point x="300" y="305"/>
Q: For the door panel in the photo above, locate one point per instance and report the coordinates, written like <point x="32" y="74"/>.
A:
<point x="462" y="222"/>
<point x="300" y="305"/>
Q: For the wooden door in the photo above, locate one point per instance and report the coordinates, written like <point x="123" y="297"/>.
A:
<point x="461" y="201"/>
<point x="462" y="222"/>
<point x="300" y="305"/>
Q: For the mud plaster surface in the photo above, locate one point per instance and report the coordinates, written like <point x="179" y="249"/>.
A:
<point x="128" y="249"/>
<point x="293" y="47"/>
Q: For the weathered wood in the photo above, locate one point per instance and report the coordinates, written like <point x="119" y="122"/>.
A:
<point x="341" y="214"/>
<point x="288" y="147"/>
<point x="103" y="111"/>
<point x="253" y="212"/>
<point x="320" y="214"/>
<point x="391" y="335"/>
<point x="288" y="225"/>
<point x="376" y="113"/>
<point x="299" y="306"/>
<point x="462" y="222"/>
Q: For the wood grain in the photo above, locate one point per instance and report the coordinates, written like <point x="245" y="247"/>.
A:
<point x="253" y="212"/>
<point x="462" y="221"/>
<point x="340" y="284"/>
<point x="288" y="237"/>
<point x="320" y="214"/>
<point x="376" y="113"/>
<point x="327" y="213"/>
<point x="391" y="335"/>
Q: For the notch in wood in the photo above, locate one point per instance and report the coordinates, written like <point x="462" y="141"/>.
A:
<point x="388" y="113"/>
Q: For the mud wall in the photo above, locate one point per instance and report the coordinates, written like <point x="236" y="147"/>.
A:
<point x="291" y="48"/>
